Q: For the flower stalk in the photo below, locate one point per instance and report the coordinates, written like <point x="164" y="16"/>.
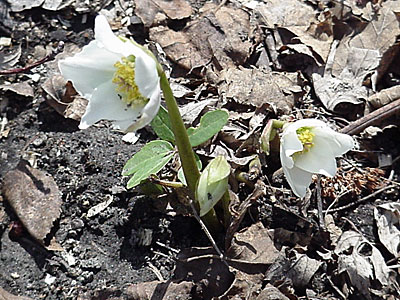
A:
<point x="186" y="154"/>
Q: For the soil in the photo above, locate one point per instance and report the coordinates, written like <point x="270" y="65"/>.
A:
<point x="130" y="241"/>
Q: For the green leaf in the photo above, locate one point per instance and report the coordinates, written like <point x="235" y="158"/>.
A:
<point x="181" y="175"/>
<point x="162" y="125"/>
<point x="210" y="124"/>
<point x="149" y="160"/>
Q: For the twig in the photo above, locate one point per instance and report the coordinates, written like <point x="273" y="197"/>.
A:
<point x="319" y="204"/>
<point x="335" y="201"/>
<point x="372" y="118"/>
<point x="47" y="58"/>
<point x="208" y="234"/>
<point x="155" y="271"/>
<point x="362" y="199"/>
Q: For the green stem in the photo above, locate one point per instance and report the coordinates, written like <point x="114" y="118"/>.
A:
<point x="186" y="153"/>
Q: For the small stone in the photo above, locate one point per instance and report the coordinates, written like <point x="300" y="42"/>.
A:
<point x="49" y="279"/>
<point x="5" y="41"/>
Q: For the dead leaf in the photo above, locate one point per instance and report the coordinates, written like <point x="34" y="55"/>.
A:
<point x="61" y="95"/>
<point x="161" y="290"/>
<point x="253" y="245"/>
<point x="35" y="198"/>
<point x="20" y="5"/>
<point x="256" y="87"/>
<point x="313" y="35"/>
<point x="302" y="269"/>
<point x="4" y="295"/>
<point x="55" y="5"/>
<point x="203" y="267"/>
<point x="384" y="97"/>
<point x="147" y="10"/>
<point x="379" y="37"/>
<point x="222" y="36"/>
<point x="250" y="253"/>
<point x="9" y="60"/>
<point x="362" y="262"/>
<point x="271" y="293"/>
<point x="387" y="218"/>
<point x="20" y="88"/>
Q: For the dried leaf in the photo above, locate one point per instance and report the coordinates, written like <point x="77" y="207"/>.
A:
<point x="4" y="295"/>
<point x="221" y="36"/>
<point x="362" y="262"/>
<point x="56" y="4"/>
<point x="63" y="98"/>
<point x="272" y="293"/>
<point x="20" y="5"/>
<point x="35" y="198"/>
<point x="384" y="97"/>
<point x="199" y="265"/>
<point x="161" y="290"/>
<point x="256" y="88"/>
<point x="347" y="87"/>
<point x="312" y="35"/>
<point x="302" y="269"/>
<point x="253" y="245"/>
<point x="20" y="88"/>
<point x="379" y="36"/>
<point x="9" y="60"/>
<point x="147" y="10"/>
<point x="387" y="218"/>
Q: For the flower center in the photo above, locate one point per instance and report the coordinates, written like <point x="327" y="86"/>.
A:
<point x="124" y="78"/>
<point x="306" y="137"/>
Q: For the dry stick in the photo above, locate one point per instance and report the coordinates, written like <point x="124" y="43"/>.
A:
<point x="319" y="204"/>
<point x="47" y="58"/>
<point x="362" y="199"/>
<point x="372" y="118"/>
<point x="208" y="234"/>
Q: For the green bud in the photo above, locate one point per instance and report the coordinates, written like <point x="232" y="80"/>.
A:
<point x="213" y="183"/>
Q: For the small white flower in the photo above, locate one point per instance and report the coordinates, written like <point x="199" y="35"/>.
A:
<point x="213" y="183"/>
<point x="118" y="77"/>
<point x="309" y="147"/>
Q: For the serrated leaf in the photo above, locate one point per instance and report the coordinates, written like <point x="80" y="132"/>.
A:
<point x="149" y="160"/>
<point x="210" y="124"/>
<point x="161" y="125"/>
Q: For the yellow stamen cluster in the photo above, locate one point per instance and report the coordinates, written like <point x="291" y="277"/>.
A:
<point x="124" y="78"/>
<point x="306" y="137"/>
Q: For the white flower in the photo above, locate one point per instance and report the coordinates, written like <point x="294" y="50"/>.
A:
<point x="213" y="183"/>
<point x="309" y="147"/>
<point x="118" y="77"/>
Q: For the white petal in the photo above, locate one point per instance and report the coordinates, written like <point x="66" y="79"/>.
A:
<point x="299" y="180"/>
<point x="107" y="39"/>
<point x="286" y="160"/>
<point x="319" y="159"/>
<point x="106" y="105"/>
<point x="291" y="143"/>
<point x="89" y="68"/>
<point x="292" y="127"/>
<point x="339" y="143"/>
<point x="149" y="111"/>
<point x="146" y="76"/>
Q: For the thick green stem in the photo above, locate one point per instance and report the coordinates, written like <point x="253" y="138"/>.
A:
<point x="186" y="153"/>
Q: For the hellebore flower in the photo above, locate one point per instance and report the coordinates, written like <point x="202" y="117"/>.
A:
<point x="309" y="147"/>
<point x="213" y="183"/>
<point x="118" y="77"/>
